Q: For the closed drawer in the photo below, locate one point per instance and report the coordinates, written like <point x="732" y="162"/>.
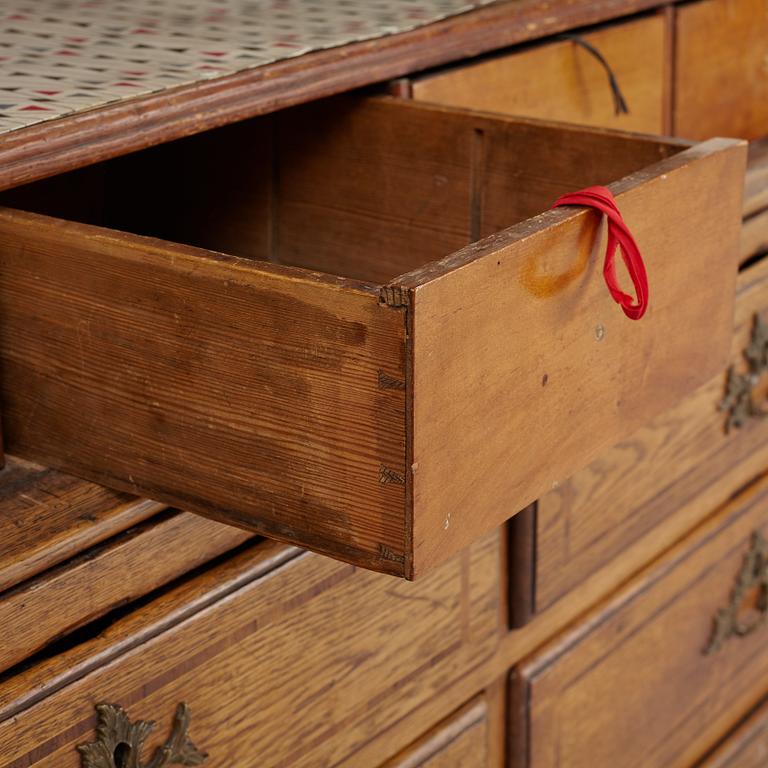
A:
<point x="662" y="671"/>
<point x="283" y="658"/>
<point x="746" y="747"/>
<point x="721" y="77"/>
<point x="461" y="741"/>
<point x="562" y="80"/>
<point x="642" y="495"/>
<point x="370" y="397"/>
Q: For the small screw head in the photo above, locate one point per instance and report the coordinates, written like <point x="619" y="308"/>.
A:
<point x="599" y="332"/>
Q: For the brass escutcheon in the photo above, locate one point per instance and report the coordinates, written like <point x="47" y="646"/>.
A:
<point x="740" y="389"/>
<point x="753" y="575"/>
<point x="119" y="742"/>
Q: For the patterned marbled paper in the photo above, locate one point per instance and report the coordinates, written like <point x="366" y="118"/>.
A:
<point x="63" y="56"/>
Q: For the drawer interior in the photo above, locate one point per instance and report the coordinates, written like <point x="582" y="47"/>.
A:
<point x="365" y="188"/>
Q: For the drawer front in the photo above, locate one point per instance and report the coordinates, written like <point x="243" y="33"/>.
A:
<point x="746" y="747"/>
<point x="562" y="80"/>
<point x="659" y="674"/>
<point x="459" y="742"/>
<point x="282" y="658"/>
<point x="640" y="496"/>
<point x="721" y="79"/>
<point x="374" y="417"/>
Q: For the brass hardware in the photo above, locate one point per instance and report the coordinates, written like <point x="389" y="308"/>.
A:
<point x="119" y="742"/>
<point x="753" y="575"/>
<point x="739" y="399"/>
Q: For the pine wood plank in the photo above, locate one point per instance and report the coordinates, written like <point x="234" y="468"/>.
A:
<point x="102" y="578"/>
<point x="560" y="80"/>
<point x="242" y="391"/>
<point x="507" y="390"/>
<point x="47" y="517"/>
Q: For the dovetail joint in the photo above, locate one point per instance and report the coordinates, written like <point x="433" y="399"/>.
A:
<point x="387" y="554"/>
<point x="388" y="476"/>
<point x="390" y="382"/>
<point x="394" y="296"/>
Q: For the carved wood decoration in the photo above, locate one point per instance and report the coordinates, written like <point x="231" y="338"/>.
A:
<point x="119" y="742"/>
<point x="740" y="399"/>
<point x="752" y="576"/>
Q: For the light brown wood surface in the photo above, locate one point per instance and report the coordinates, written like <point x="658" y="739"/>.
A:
<point x="47" y="517"/>
<point x="103" y="578"/>
<point x="745" y="747"/>
<point x="521" y="375"/>
<point x="654" y="486"/>
<point x="631" y="685"/>
<point x="721" y="77"/>
<point x="560" y="80"/>
<point x="253" y="643"/>
<point x="247" y="392"/>
<point x="461" y="741"/>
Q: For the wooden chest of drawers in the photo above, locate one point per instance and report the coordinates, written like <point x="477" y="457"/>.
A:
<point x="341" y="337"/>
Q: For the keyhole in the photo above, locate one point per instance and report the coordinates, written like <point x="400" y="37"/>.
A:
<point x="121" y="755"/>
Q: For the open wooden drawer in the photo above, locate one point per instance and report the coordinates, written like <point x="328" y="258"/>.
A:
<point x="390" y="389"/>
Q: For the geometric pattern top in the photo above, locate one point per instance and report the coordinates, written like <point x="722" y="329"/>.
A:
<point x="63" y="56"/>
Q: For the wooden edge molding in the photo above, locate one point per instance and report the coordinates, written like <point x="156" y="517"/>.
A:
<point x="53" y="147"/>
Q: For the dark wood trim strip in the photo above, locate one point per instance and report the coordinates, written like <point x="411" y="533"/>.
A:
<point x="521" y="570"/>
<point x="49" y="148"/>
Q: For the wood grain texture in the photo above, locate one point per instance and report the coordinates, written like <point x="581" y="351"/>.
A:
<point x="630" y="685"/>
<point x="657" y="484"/>
<point x="721" y="77"/>
<point x="253" y="643"/>
<point x="383" y="186"/>
<point x="459" y="741"/>
<point x="745" y="747"/>
<point x="47" y="517"/>
<point x="754" y="236"/>
<point x="560" y="80"/>
<point x="756" y="184"/>
<point x="244" y="391"/>
<point x="519" y="356"/>
<point x="73" y="141"/>
<point x="127" y="566"/>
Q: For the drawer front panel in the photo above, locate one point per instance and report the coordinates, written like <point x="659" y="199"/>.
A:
<point x="666" y="668"/>
<point x="648" y="490"/>
<point x="300" y="666"/>
<point x="459" y="742"/>
<point x="563" y="81"/>
<point x="721" y="79"/>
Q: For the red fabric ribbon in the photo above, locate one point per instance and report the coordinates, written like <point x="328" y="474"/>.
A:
<point x="602" y="200"/>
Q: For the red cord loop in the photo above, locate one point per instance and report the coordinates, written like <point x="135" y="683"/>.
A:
<point x="602" y="200"/>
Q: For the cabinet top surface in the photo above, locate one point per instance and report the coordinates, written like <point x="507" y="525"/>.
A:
<point x="85" y="80"/>
<point x="59" y="58"/>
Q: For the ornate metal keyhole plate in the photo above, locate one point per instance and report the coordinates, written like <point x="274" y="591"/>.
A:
<point x="739" y="401"/>
<point x="119" y="742"/>
<point x="753" y="576"/>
